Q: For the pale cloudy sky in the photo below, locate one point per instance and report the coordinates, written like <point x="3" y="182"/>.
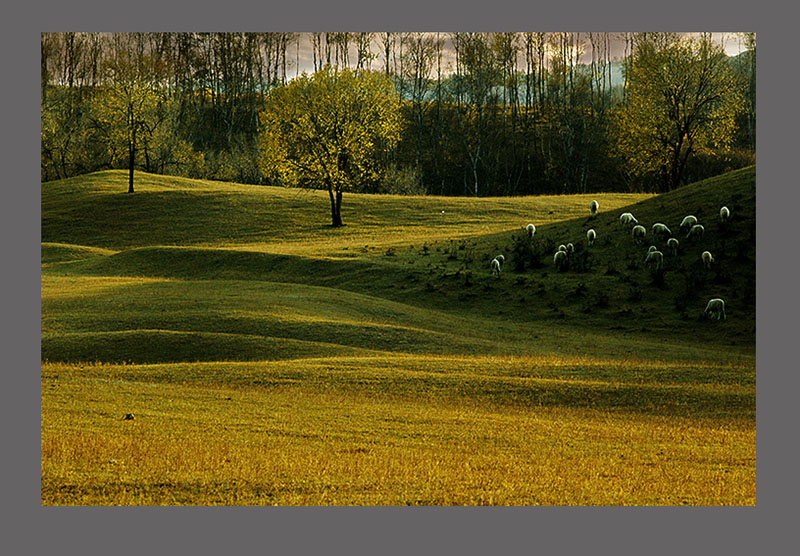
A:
<point x="300" y="54"/>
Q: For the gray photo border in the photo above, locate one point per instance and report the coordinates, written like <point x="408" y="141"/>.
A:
<point x="30" y="528"/>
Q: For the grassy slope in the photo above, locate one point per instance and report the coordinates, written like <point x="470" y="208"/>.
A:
<point x="94" y="210"/>
<point x="614" y="300"/>
<point x="184" y="275"/>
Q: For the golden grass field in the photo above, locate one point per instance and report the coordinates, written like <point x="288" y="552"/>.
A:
<point x="288" y="443"/>
<point x="269" y="360"/>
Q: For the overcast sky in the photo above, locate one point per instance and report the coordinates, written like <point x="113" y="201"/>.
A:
<point x="301" y="59"/>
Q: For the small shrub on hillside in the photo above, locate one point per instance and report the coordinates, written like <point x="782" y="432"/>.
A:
<point x="657" y="278"/>
<point x="469" y="253"/>
<point x="680" y="305"/>
<point x="749" y="293"/>
<point x="468" y="278"/>
<point x="523" y="253"/>
<point x="626" y="279"/>
<point x="546" y="246"/>
<point x="579" y="261"/>
<point x="691" y="292"/>
<point x="742" y="250"/>
<point x="634" y="294"/>
<point x="721" y="277"/>
<point x="452" y="251"/>
<point x="391" y="252"/>
<point x="602" y="301"/>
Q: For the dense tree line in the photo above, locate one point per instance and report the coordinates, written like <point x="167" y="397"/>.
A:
<point x="480" y="113"/>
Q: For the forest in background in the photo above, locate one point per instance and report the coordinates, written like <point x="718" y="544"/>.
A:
<point x="489" y="114"/>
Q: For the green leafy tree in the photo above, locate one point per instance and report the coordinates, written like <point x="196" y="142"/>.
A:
<point x="132" y="102"/>
<point x="683" y="98"/>
<point x="331" y="130"/>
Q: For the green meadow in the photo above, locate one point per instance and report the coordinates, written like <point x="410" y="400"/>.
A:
<point x="267" y="358"/>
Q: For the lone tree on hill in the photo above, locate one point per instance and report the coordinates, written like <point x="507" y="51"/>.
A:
<point x="331" y="130"/>
<point x="683" y="98"/>
<point x="133" y="98"/>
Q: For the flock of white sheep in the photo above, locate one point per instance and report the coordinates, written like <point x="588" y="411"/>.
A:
<point x="654" y="258"/>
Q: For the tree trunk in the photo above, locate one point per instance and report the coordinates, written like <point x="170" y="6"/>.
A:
<point x="336" y="207"/>
<point x="131" y="157"/>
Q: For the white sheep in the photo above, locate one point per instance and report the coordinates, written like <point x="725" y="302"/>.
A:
<point x="654" y="258"/>
<point x="591" y="235"/>
<point x="687" y="223"/>
<point x="716" y="308"/>
<point x="696" y="231"/>
<point x="531" y="229"/>
<point x="638" y="232"/>
<point x="627" y="218"/>
<point x="652" y="248"/>
<point x="560" y="260"/>
<point x="593" y="206"/>
<point x="724" y="214"/>
<point x="672" y="243"/>
<point x="501" y="258"/>
<point x="562" y="247"/>
<point x="496" y="265"/>
<point x="707" y="259"/>
<point x="661" y="230"/>
<point x="570" y="249"/>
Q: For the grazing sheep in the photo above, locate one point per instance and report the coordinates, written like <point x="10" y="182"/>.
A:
<point x="591" y="235"/>
<point x="654" y="258"/>
<point x="560" y="260"/>
<point x="562" y="247"/>
<point x="697" y="231"/>
<point x="627" y="218"/>
<point x="652" y="248"/>
<point x="570" y="249"/>
<point x="715" y="308"/>
<point x="661" y="231"/>
<point x="687" y="223"/>
<point x="638" y="232"/>
<point x="496" y="264"/>
<point x="707" y="259"/>
<point x="672" y="243"/>
<point x="593" y="206"/>
<point x="724" y="214"/>
<point x="501" y="258"/>
<point x="531" y="229"/>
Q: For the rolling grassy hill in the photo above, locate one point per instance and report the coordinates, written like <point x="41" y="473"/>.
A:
<point x="215" y="292"/>
<point x="446" y="274"/>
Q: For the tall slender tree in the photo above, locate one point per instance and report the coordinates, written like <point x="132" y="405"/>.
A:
<point x="133" y="92"/>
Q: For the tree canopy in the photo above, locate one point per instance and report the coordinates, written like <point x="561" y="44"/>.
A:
<point x="683" y="98"/>
<point x="331" y="130"/>
<point x="479" y="113"/>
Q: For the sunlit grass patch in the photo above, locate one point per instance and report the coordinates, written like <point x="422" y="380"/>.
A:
<point x="294" y="444"/>
<point x="60" y="252"/>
